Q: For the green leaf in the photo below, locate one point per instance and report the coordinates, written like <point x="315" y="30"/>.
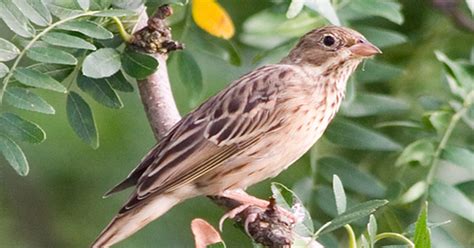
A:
<point x="138" y="65"/>
<point x="467" y="188"/>
<point x="18" y="128"/>
<point x="470" y="5"/>
<point x="459" y="156"/>
<point x="339" y="194"/>
<point x="189" y="72"/>
<point x="451" y="199"/>
<point x="102" y="63"/>
<point x="14" y="155"/>
<point x="464" y="79"/>
<point x="373" y="104"/>
<point x="352" y="214"/>
<point x="420" y="151"/>
<point x="296" y="6"/>
<point x="217" y="245"/>
<point x="274" y="55"/>
<point x="215" y="47"/>
<point x="119" y="82"/>
<point x="100" y="90"/>
<point x="84" y="4"/>
<point x="372" y="229"/>
<point x="15" y="20"/>
<point x="324" y="198"/>
<point x="353" y="136"/>
<point x="439" y="120"/>
<point x="325" y="9"/>
<point x="363" y="242"/>
<point x="63" y="12"/>
<point x="25" y="99"/>
<point x="81" y="120"/>
<point x="413" y="193"/>
<point x="233" y="54"/>
<point x="268" y="29"/>
<point x="36" y="11"/>
<point x="3" y="70"/>
<point x="115" y="12"/>
<point x="382" y="37"/>
<point x="392" y="220"/>
<point x="67" y="40"/>
<point x="354" y="178"/>
<point x="401" y="123"/>
<point x="37" y="79"/>
<point x="376" y="71"/>
<point x="287" y="199"/>
<point x="387" y="9"/>
<point x="440" y="238"/>
<point x="8" y="51"/>
<point x="88" y="28"/>
<point x="411" y="229"/>
<point x="58" y="72"/>
<point x="422" y="232"/>
<point x="51" y="55"/>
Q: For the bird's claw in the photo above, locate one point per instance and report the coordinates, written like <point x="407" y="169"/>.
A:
<point x="231" y="214"/>
<point x="250" y="218"/>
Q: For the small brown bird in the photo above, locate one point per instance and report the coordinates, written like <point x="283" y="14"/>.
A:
<point x="252" y="130"/>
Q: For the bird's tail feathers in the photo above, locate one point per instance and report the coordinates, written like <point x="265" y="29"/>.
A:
<point x="126" y="224"/>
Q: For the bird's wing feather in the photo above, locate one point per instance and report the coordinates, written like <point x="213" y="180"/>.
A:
<point x="222" y="127"/>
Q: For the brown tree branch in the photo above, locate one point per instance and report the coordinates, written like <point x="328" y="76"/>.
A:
<point x="266" y="226"/>
<point x="155" y="91"/>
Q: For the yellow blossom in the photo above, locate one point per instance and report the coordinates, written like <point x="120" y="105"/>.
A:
<point x="210" y="16"/>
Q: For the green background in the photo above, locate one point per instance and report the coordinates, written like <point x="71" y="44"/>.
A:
<point x="59" y="204"/>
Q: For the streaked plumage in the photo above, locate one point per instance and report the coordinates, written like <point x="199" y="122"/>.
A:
<point x="250" y="131"/>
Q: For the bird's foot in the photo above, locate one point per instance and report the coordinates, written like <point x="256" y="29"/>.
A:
<point x="247" y="201"/>
<point x="231" y="214"/>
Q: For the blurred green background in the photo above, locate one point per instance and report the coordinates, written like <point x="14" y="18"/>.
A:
<point x="59" y="204"/>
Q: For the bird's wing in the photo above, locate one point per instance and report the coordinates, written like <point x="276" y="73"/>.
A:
<point x="220" y="128"/>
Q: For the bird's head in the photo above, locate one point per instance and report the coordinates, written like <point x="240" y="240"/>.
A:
<point x="329" y="45"/>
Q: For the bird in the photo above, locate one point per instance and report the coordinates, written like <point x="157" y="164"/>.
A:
<point x="251" y="130"/>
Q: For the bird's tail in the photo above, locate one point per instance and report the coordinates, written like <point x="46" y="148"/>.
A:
<point x="125" y="224"/>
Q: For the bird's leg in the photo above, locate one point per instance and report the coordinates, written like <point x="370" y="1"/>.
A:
<point x="246" y="201"/>
<point x="231" y="214"/>
<point x="244" y="198"/>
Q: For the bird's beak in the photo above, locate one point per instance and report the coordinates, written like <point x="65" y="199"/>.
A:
<point x="365" y="49"/>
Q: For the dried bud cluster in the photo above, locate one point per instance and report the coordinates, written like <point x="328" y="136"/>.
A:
<point x="156" y="37"/>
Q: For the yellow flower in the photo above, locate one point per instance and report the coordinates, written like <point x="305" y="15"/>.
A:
<point x="210" y="16"/>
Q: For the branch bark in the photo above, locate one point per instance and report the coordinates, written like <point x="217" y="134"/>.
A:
<point x="155" y="91"/>
<point x="265" y="226"/>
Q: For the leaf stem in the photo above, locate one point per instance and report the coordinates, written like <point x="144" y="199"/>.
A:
<point x="444" y="140"/>
<point x="123" y="33"/>
<point x="316" y="234"/>
<point x="397" y="236"/>
<point x="30" y="44"/>
<point x="352" y="238"/>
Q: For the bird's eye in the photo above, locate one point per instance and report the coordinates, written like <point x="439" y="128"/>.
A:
<point x="328" y="40"/>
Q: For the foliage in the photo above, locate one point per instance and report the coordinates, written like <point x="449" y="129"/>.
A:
<point x="387" y="142"/>
<point x="61" y="37"/>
